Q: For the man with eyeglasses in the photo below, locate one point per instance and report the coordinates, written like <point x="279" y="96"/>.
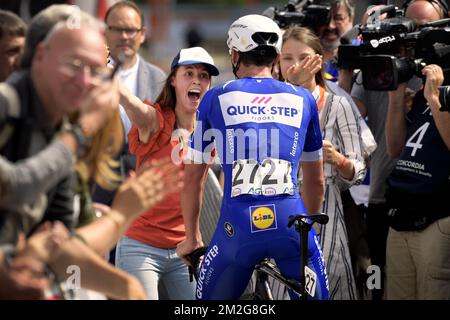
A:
<point x="125" y="33"/>
<point x="339" y="22"/>
<point x="66" y="78"/>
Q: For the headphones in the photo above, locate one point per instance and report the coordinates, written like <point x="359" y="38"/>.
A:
<point x="443" y="4"/>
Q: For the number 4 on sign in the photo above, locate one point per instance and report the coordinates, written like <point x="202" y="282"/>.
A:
<point x="417" y="145"/>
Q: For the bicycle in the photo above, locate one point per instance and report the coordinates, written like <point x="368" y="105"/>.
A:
<point x="266" y="268"/>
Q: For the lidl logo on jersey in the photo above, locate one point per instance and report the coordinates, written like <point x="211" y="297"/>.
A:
<point x="263" y="218"/>
<point x="241" y="107"/>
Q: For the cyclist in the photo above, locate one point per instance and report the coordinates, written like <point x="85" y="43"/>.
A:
<point x="261" y="128"/>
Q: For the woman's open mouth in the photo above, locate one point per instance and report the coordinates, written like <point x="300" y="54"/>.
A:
<point x="194" y="95"/>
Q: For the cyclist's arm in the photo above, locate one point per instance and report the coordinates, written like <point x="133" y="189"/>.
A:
<point x="191" y="197"/>
<point x="313" y="186"/>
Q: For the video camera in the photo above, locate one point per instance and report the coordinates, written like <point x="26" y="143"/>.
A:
<point x="393" y="50"/>
<point x="306" y="13"/>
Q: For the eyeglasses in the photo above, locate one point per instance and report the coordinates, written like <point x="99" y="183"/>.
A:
<point x="73" y="67"/>
<point x="130" y="32"/>
<point x="339" y="18"/>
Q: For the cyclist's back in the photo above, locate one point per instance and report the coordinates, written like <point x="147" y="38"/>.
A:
<point x="261" y="129"/>
<point x="258" y="119"/>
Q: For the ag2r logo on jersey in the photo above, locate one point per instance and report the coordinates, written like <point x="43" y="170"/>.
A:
<point x="241" y="107"/>
<point x="263" y="218"/>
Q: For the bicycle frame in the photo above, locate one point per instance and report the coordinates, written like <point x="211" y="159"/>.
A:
<point x="302" y="224"/>
<point x="262" y="290"/>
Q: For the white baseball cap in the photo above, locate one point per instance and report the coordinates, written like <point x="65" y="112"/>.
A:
<point x="195" y="55"/>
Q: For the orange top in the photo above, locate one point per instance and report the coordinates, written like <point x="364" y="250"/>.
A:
<point x="162" y="226"/>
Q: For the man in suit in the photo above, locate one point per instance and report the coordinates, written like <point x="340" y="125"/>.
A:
<point x="125" y="33"/>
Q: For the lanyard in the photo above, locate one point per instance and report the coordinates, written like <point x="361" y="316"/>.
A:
<point x="321" y="98"/>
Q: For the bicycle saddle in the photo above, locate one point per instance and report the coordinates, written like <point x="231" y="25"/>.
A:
<point x="320" y="218"/>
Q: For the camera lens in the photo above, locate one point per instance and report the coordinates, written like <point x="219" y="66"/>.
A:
<point x="379" y="72"/>
<point x="444" y="98"/>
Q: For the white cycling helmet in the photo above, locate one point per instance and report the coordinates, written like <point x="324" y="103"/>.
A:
<point x="252" y="31"/>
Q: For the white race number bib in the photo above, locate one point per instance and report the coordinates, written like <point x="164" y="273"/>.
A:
<point x="269" y="178"/>
<point x="310" y="281"/>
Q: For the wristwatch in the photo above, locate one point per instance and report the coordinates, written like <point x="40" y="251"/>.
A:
<point x="83" y="142"/>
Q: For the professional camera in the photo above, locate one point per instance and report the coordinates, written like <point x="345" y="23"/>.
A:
<point x="375" y="37"/>
<point x="385" y="72"/>
<point x="306" y="13"/>
<point x="392" y="51"/>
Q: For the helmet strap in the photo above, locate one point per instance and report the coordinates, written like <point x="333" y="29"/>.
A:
<point x="271" y="70"/>
<point x="280" y="76"/>
<point x="236" y="67"/>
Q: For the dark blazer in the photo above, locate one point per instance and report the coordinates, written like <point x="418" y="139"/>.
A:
<point x="32" y="134"/>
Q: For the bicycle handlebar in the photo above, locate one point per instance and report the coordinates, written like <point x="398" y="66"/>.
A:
<point x="194" y="259"/>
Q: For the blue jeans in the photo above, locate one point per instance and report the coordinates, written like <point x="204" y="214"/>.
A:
<point x="154" y="266"/>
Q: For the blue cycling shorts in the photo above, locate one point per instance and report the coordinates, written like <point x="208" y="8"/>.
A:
<point x="246" y="234"/>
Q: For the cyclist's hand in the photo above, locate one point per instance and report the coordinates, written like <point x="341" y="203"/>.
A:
<point x="185" y="247"/>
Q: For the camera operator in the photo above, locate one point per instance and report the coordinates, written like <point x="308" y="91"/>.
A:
<point x="340" y="21"/>
<point x="418" y="250"/>
<point x="374" y="105"/>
